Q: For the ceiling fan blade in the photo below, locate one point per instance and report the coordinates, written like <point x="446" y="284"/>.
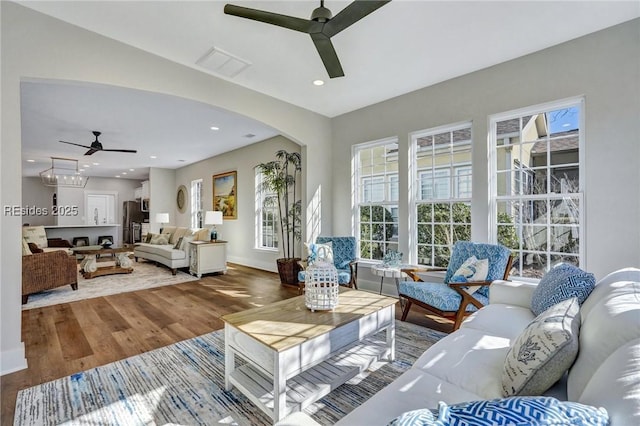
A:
<point x="133" y="151"/>
<point x="76" y="144"/>
<point x="290" y="22"/>
<point x="91" y="151"/>
<point x="350" y="15"/>
<point x="328" y="55"/>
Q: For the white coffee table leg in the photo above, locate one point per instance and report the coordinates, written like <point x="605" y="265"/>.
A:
<point x="89" y="264"/>
<point x="391" y="335"/>
<point x="229" y="360"/>
<point x="279" y="389"/>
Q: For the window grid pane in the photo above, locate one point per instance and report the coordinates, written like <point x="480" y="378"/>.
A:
<point x="538" y="193"/>
<point x="267" y="215"/>
<point x="443" y="186"/>
<point x="378" y="189"/>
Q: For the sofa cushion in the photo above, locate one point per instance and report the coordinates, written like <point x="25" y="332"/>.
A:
<point x="516" y="411"/>
<point x="36" y="235"/>
<point x="544" y="351"/>
<point x="160" y="239"/>
<point x="469" y="359"/>
<point x="202" y="234"/>
<point x="179" y="233"/>
<point x="491" y="320"/>
<point x="561" y="283"/>
<point x="168" y="230"/>
<point x="611" y="319"/>
<point x="25" y="248"/>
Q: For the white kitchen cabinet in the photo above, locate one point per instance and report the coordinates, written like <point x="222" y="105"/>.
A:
<point x="207" y="257"/>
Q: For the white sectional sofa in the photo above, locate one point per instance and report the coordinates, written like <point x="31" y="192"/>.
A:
<point x="467" y="365"/>
<point x="171" y="255"/>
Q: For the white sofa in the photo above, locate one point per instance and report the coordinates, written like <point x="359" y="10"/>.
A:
<point x="467" y="365"/>
<point x="168" y="254"/>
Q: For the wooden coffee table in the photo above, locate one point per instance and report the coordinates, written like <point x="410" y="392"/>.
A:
<point x="89" y="266"/>
<point x="288" y="357"/>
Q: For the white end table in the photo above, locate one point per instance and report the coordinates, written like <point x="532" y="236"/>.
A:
<point x="389" y="272"/>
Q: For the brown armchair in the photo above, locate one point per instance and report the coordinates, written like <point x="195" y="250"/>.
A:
<point x="44" y="271"/>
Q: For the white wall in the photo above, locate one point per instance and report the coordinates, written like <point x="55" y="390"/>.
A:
<point x="239" y="233"/>
<point x="604" y="67"/>
<point x="162" y="191"/>
<point x="37" y="196"/>
<point x="35" y="46"/>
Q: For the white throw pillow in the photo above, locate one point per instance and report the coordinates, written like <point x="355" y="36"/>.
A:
<point x="184" y="245"/>
<point x="544" y="351"/>
<point x="471" y="269"/>
<point x="319" y="252"/>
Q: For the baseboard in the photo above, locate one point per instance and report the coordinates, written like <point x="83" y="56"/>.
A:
<point x="13" y="360"/>
<point x="252" y="263"/>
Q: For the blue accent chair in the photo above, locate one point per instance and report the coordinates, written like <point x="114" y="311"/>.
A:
<point x="345" y="259"/>
<point x="449" y="299"/>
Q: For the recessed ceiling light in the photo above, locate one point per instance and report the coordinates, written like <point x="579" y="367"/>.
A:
<point x="124" y="173"/>
<point x="153" y="156"/>
<point x="117" y="176"/>
<point x="86" y="166"/>
<point x="31" y="161"/>
<point x="214" y="128"/>
<point x="131" y="170"/>
<point x="81" y="170"/>
<point x="318" y="82"/>
<point x="96" y="164"/>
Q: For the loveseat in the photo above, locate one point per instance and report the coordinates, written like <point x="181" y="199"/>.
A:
<point x="467" y="365"/>
<point x="171" y="247"/>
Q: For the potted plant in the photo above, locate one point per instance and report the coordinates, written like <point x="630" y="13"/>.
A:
<point x="279" y="177"/>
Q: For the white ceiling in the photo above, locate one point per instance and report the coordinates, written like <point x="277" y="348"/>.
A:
<point x="401" y="47"/>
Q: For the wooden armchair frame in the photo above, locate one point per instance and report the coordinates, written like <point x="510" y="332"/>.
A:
<point x="455" y="316"/>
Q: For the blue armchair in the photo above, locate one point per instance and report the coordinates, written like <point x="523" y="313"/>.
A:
<point x="452" y="299"/>
<point x="345" y="260"/>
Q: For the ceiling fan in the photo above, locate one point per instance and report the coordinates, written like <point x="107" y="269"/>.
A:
<point x="97" y="146"/>
<point x="321" y="27"/>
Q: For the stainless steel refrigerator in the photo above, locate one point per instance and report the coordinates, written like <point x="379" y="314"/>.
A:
<point x="132" y="218"/>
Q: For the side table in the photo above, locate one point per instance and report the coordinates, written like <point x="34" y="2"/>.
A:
<point x="383" y="272"/>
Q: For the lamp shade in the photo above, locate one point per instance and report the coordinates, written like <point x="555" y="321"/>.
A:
<point x="162" y="217"/>
<point x="213" y="218"/>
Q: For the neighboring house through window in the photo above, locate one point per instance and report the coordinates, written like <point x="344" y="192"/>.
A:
<point x="376" y="193"/>
<point x="441" y="160"/>
<point x="196" y="203"/>
<point x="537" y="196"/>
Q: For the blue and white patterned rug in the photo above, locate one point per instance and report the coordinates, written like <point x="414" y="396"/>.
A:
<point x="183" y="384"/>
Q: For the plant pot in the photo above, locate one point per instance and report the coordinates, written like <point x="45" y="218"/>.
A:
<point x="288" y="269"/>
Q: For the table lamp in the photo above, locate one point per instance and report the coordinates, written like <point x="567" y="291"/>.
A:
<point x="162" y="218"/>
<point x="213" y="218"/>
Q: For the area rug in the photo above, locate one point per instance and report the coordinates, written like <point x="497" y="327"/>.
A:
<point x="145" y="275"/>
<point x="183" y="384"/>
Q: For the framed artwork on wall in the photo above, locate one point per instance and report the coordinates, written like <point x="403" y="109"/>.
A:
<point x="224" y="194"/>
<point x="181" y="198"/>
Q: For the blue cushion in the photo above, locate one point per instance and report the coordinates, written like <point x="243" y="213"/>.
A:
<point x="438" y="295"/>
<point x="561" y="283"/>
<point x="516" y="411"/>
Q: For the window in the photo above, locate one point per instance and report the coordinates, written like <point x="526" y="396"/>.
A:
<point x="377" y="193"/>
<point x="537" y="191"/>
<point x="266" y="215"/>
<point x="196" y="204"/>
<point x="442" y="199"/>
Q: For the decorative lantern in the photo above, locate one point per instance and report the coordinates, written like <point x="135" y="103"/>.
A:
<point x="321" y="286"/>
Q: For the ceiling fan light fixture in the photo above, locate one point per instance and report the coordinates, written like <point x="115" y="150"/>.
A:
<point x="64" y="172"/>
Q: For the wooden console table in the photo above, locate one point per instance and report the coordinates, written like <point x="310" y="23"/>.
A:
<point x="294" y="356"/>
<point x="89" y="266"/>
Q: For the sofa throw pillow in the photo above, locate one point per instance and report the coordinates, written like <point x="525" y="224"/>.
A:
<point x="561" y="283"/>
<point x="322" y="252"/>
<point x="147" y="238"/>
<point x="515" y="411"/>
<point x="36" y="235"/>
<point x="184" y="245"/>
<point x="25" y="248"/>
<point x="33" y="248"/>
<point x="544" y="350"/>
<point x="160" y="239"/>
<point x="178" y="244"/>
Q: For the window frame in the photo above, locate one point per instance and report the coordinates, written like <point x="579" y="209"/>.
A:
<point x="517" y="195"/>
<point x="196" y="206"/>
<point x="260" y="209"/>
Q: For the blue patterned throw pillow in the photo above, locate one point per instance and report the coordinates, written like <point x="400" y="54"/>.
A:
<point x="516" y="411"/>
<point x="561" y="283"/>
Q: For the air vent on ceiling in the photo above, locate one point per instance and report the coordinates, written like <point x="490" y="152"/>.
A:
<point x="249" y="135"/>
<point x="223" y="63"/>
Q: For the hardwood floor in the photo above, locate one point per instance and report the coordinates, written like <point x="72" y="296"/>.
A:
<point x="67" y="338"/>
